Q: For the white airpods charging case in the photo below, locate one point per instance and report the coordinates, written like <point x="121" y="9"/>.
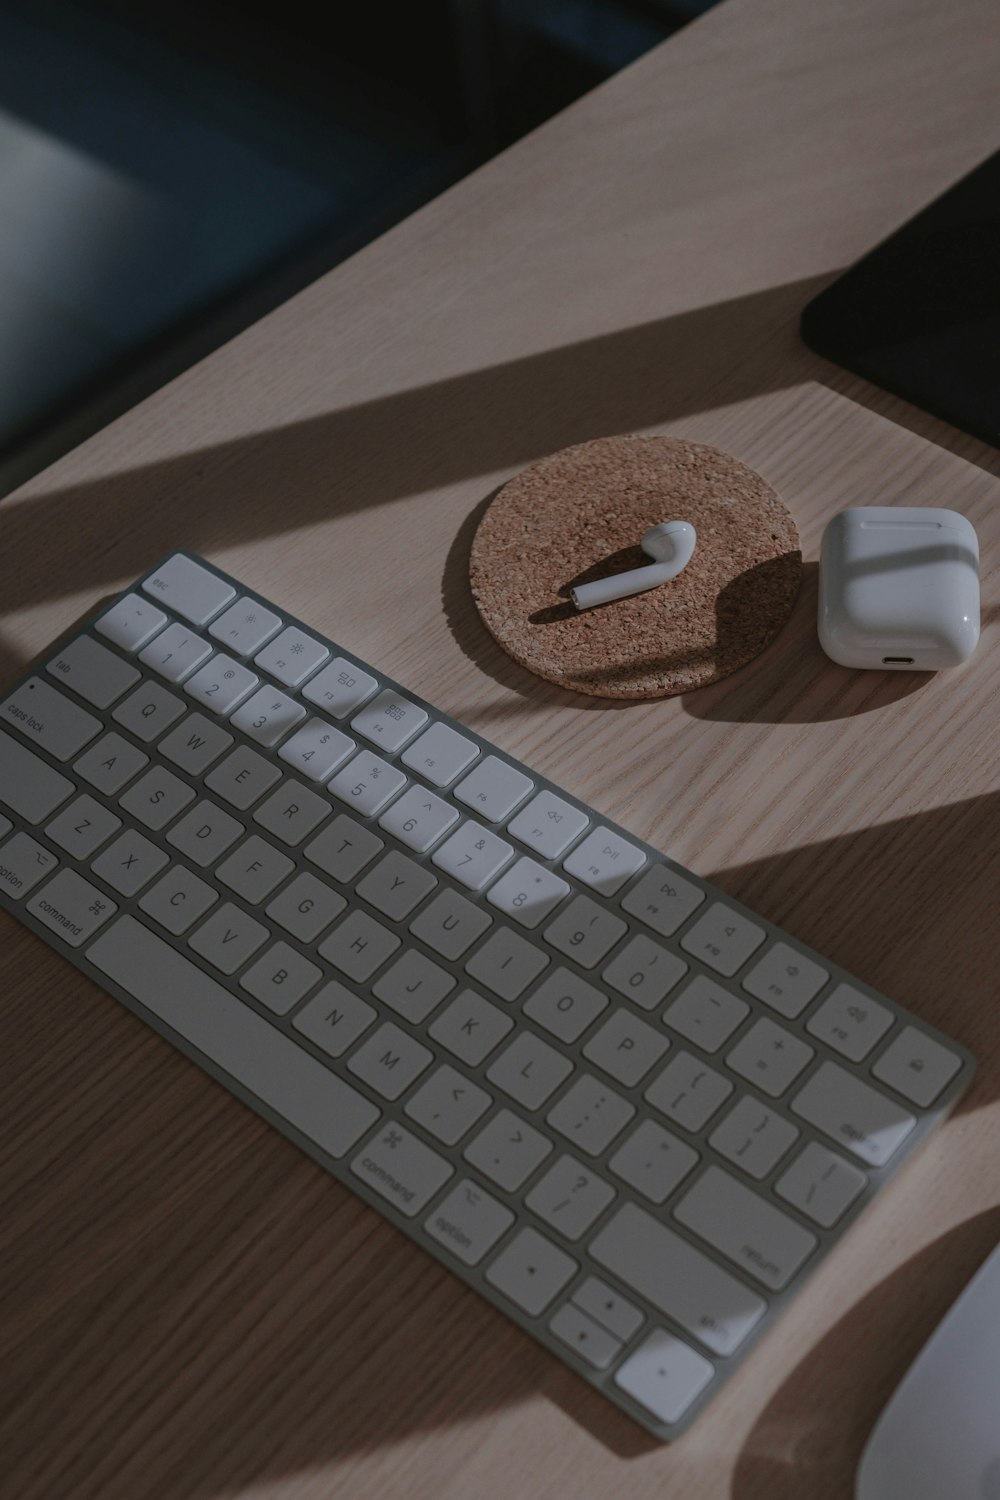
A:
<point x="899" y="588"/>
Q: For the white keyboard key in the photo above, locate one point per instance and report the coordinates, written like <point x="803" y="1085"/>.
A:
<point x="531" y="1271"/>
<point x="72" y="907"/>
<point x="644" y="971"/>
<point x="402" y="1169"/>
<point x="625" y="1047"/>
<point x="821" y="1184"/>
<point x="194" y="744"/>
<point x="854" y="1115"/>
<point x="678" y="1279"/>
<point x="449" y="924"/>
<point x="604" y="861"/>
<point x="506" y="964"/>
<point x="359" y="945"/>
<point x="448" y="1105"/>
<point x="148" y="711"/>
<point x="608" y="1307"/>
<point x="468" y="1222"/>
<point x="221" y="684"/>
<point x="245" y="627"/>
<point x="268" y="716"/>
<point x="764" y="1242"/>
<point x="205" y="833"/>
<point x="23" y="863"/>
<point x="507" y="1150"/>
<point x="565" y="1005"/>
<point x="292" y="656"/>
<point x="493" y="788"/>
<point x="705" y="1013"/>
<point x="343" y="849"/>
<point x="653" y="1161"/>
<point x="108" y="764"/>
<point x="305" y="907"/>
<point x="189" y="589"/>
<point x="396" y="886"/>
<point x="529" y="1070"/>
<point x="242" y="778"/>
<point x="280" y="978"/>
<point x="389" y="720"/>
<point x="340" y="689"/>
<point x="413" y="986"/>
<point x="663" y="900"/>
<point x="785" y="980"/>
<point x="528" y="892"/>
<point x="473" y="855"/>
<point x="317" y="749"/>
<point x="292" y="812"/>
<point x="753" y="1137"/>
<point x="49" y="719"/>
<point x="850" y="1022"/>
<point x="440" y="754"/>
<point x="178" y="899"/>
<point x="590" y="1115"/>
<point x="83" y="827"/>
<point x="916" y="1066"/>
<point x="548" y="825"/>
<point x="228" y="938"/>
<point x="175" y="653"/>
<point x="470" y="1027"/>
<point x="418" y="819"/>
<point x="688" y="1092"/>
<point x="769" y="1057"/>
<point x="299" y="1088"/>
<point x="335" y="1018"/>
<point x="664" y="1375"/>
<point x="156" y="798"/>
<point x="92" y="672"/>
<point x="585" y="931"/>
<point x="570" y="1197"/>
<point x="129" y="863"/>
<point x="28" y="785"/>
<point x="367" y="783"/>
<point x="390" y="1059"/>
<point x="131" y="623"/>
<point x="723" y="939"/>
<point x="585" y="1337"/>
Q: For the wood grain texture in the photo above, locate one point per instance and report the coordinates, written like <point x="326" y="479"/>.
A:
<point x="192" y="1310"/>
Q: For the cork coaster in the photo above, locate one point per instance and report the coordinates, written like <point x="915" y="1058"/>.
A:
<point x="581" y="513"/>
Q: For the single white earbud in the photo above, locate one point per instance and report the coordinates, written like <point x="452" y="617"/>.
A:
<point x="671" y="545"/>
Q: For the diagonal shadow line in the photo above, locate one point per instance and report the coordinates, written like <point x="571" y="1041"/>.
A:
<point x="811" y="1434"/>
<point x="910" y="906"/>
<point x="401" y="445"/>
<point x="200" y="1309"/>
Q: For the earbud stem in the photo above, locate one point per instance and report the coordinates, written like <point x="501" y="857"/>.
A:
<point x="622" y="585"/>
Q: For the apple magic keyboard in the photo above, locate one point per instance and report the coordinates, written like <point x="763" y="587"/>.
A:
<point x="629" y="1112"/>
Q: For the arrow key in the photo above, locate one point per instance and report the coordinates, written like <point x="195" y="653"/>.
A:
<point x="531" y="1271"/>
<point x="584" y="1336"/>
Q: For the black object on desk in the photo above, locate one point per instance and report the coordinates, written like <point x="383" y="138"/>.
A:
<point x="920" y="315"/>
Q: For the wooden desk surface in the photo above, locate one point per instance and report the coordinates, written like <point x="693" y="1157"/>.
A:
<point x="193" y="1311"/>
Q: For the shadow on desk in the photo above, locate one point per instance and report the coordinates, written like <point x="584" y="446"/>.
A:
<point x="402" y="445"/>
<point x="193" y="1307"/>
<point x="810" y="1438"/>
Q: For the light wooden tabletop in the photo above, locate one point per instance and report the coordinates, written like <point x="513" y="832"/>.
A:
<point x="193" y="1310"/>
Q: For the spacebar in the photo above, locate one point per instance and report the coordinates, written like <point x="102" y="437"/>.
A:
<point x="282" y="1075"/>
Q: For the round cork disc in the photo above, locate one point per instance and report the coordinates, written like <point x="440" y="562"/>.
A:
<point x="581" y="513"/>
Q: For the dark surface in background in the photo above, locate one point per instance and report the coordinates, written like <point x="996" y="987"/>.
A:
<point x="182" y="167"/>
<point x="920" y="315"/>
